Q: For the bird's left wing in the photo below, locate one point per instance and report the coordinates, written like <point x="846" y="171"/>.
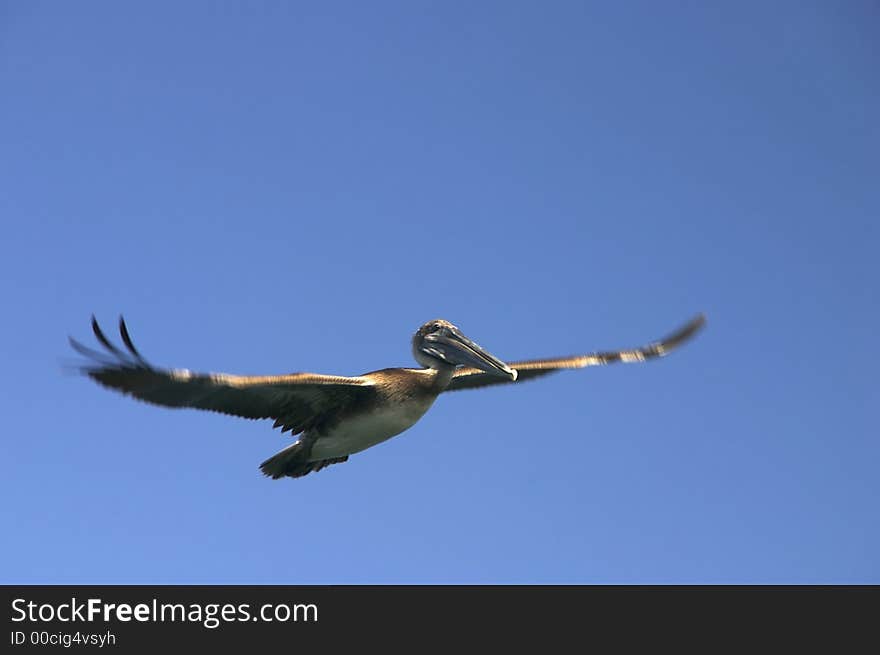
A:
<point x="472" y="378"/>
<point x="296" y="401"/>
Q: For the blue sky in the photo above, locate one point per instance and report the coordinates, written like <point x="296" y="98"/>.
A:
<point x="276" y="187"/>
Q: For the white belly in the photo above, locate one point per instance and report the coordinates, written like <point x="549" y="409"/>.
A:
<point x="361" y="432"/>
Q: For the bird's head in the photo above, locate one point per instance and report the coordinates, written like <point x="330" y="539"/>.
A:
<point x="439" y="344"/>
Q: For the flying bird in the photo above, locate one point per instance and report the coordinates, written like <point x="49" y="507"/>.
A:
<point x="336" y="416"/>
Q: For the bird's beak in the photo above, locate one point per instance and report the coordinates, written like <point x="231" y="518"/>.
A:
<point x="453" y="347"/>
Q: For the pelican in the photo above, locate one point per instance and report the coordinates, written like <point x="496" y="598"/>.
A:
<point x="336" y="416"/>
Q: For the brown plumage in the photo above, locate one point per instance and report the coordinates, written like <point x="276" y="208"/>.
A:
<point x="472" y="378"/>
<point x="336" y="416"/>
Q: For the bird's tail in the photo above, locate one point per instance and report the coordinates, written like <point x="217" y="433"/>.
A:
<point x="292" y="462"/>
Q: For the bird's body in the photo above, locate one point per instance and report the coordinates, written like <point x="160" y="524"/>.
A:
<point x="337" y="416"/>
<point x="401" y="396"/>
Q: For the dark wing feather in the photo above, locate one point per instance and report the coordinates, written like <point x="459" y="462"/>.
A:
<point x="472" y="378"/>
<point x="296" y="401"/>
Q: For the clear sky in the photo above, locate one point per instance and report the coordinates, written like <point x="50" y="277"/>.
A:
<point x="281" y="186"/>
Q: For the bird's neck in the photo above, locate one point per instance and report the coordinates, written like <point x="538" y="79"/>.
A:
<point x="443" y="375"/>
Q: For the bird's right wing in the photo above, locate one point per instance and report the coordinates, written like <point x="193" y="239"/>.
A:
<point x="472" y="378"/>
<point x="296" y="401"/>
